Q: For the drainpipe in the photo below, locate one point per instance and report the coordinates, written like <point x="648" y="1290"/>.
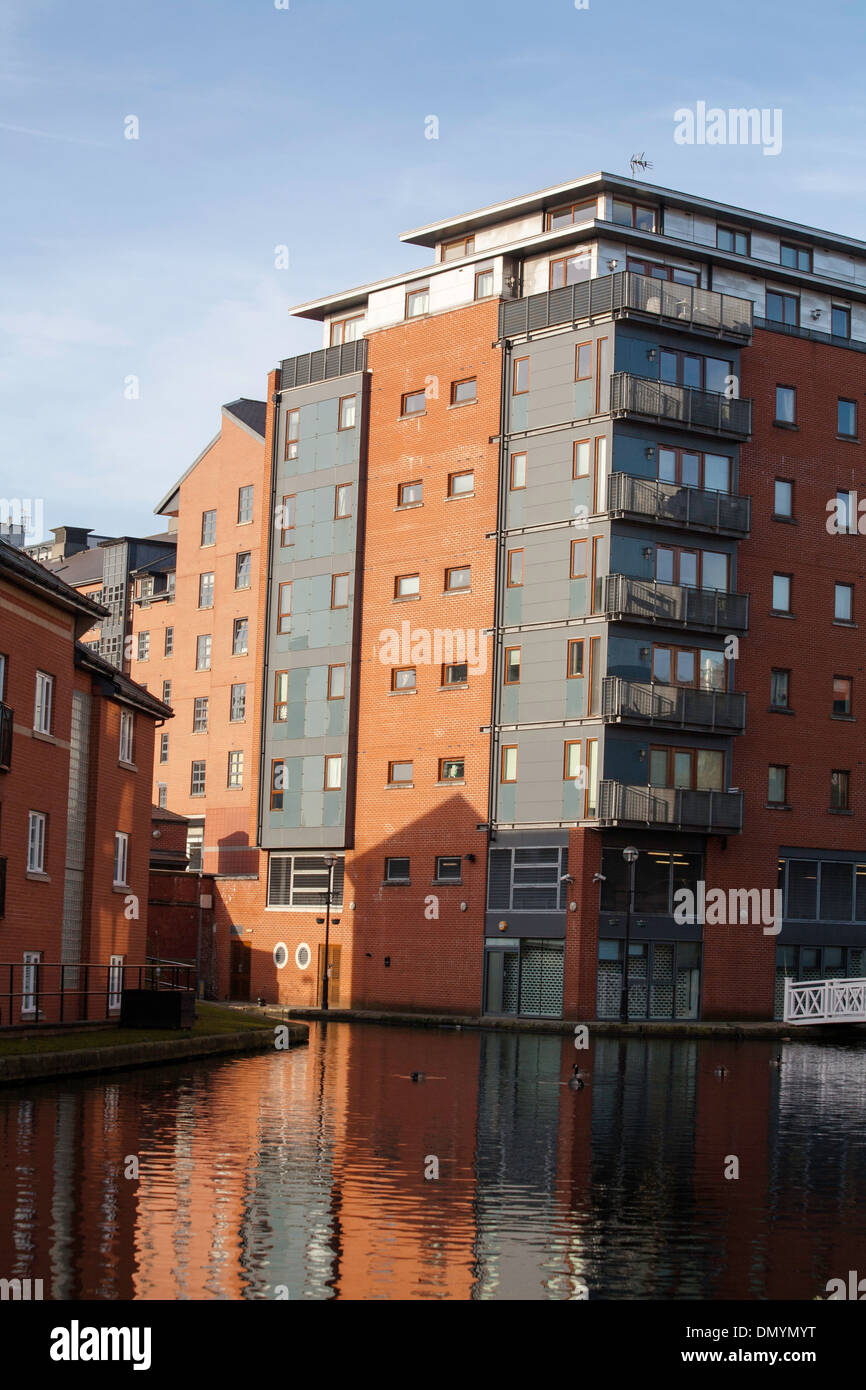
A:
<point x="498" y="605"/>
<point x="263" y="660"/>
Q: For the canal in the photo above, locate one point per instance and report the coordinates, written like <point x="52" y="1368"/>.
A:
<point x="327" y="1172"/>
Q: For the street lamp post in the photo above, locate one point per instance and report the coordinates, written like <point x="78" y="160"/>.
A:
<point x="630" y="855"/>
<point x="330" y="861"/>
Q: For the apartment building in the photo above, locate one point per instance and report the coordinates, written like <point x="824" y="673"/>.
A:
<point x="76" y="750"/>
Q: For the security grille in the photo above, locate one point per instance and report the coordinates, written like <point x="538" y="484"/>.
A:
<point x="528" y="879"/>
<point x="541" y="978"/>
<point x="301" y="880"/>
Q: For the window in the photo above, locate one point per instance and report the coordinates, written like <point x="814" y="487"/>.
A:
<point x="457" y="579"/>
<point x="461" y="484"/>
<point x="581" y="457"/>
<point x="342" y="501"/>
<point x="168" y="646"/>
<point x="400" y="774"/>
<point x="287" y="520"/>
<point x="842" y="687"/>
<point x="570" y="270"/>
<point x="786" y="405"/>
<point x="846" y="512"/>
<point x="208" y="528"/>
<point x="483" y="284"/>
<point x="700" y="669"/>
<point x="574" y="665"/>
<point x="279" y="778"/>
<point x="512" y="665"/>
<point x="413" y="403"/>
<point x="403" y="678"/>
<point x="199" y="714"/>
<point x="36" y="828"/>
<point x="783" y="498"/>
<point x="518" y="472"/>
<point x="840" y="321"/>
<point x="515" y="569"/>
<point x="293" y="433"/>
<point x="781" y="593"/>
<point x="238" y="705"/>
<point x="571" y="764"/>
<point x="777" y="785"/>
<point x="410" y="494"/>
<point x="843" y="605"/>
<point x="407" y="585"/>
<point x="205" y="590"/>
<point x="529" y="880"/>
<point x="695" y="768"/>
<point x="121" y="858"/>
<point x="692" y="369"/>
<point x="797" y="257"/>
<point x="346" y="330"/>
<point x="43" y="707"/>
<point x="583" y="362"/>
<point x="508" y="772"/>
<point x="692" y="569"/>
<point x="451" y="769"/>
<point x="336" y="682"/>
<point x="397" y="870"/>
<point x="115" y="981"/>
<point x="839" y="782"/>
<point x="126" y="734"/>
<point x="30" y="981"/>
<point x="453" y="250"/>
<point x="245" y="503"/>
<point x="239" y="637"/>
<point x="284" y="607"/>
<point x="520" y="383"/>
<point x="197" y="778"/>
<point x="448" y="868"/>
<point x="243" y="569"/>
<point x="677" y="274"/>
<point x="235" y="769"/>
<point x="711" y="472"/>
<point x="348" y="406"/>
<point x="195" y="847"/>
<point x="144" y="646"/>
<point x="578" y="559"/>
<point x="846" y="418"/>
<point x="301" y="880"/>
<point x="162" y="795"/>
<point x="462" y="392"/>
<point x="783" y="308"/>
<point x="3" y="665"/>
<point x="633" y="215"/>
<point x="281" y="696"/>
<point x="163" y="748"/>
<point x="570" y="213"/>
<point x="780" y="685"/>
<point x="418" y="302"/>
<point x="730" y="239"/>
<point x="455" y="674"/>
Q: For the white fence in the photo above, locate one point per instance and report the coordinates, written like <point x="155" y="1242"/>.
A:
<point x="825" y="1001"/>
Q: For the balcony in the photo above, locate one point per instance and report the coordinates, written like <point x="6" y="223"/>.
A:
<point x="703" y="412"/>
<point x="677" y="808"/>
<point x="672" y="605"/>
<point x="6" y="717"/>
<point x="310" y="367"/>
<point x="672" y="706"/>
<point x="669" y="504"/>
<point x="627" y="295"/>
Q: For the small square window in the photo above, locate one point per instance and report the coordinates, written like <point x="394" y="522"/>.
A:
<point x="456" y="579"/>
<point x="483" y="284"/>
<point x="397" y="870"/>
<point x="414" y="403"/>
<point x="795" y="257"/>
<point x="400" y="774"/>
<point x="461" y="484"/>
<point x="456" y="674"/>
<point x="404" y="678"/>
<point x="462" y="392"/>
<point x="451" y="769"/>
<point x="783" y="308"/>
<point x="418" y="302"/>
<point x="448" y="868"/>
<point x="410" y="494"/>
<point x="407" y="585"/>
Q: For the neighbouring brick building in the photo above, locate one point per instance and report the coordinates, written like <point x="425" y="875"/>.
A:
<point x="76" y="754"/>
<point x="553" y="573"/>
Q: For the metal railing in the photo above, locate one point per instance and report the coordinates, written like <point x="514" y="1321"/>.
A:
<point x="678" y="505"/>
<point x="825" y="1001"/>
<point x="665" y="404"/>
<point x="680" y="706"/>
<point x="679" y="306"/>
<point x="341" y="360"/>
<point x="86" y="991"/>
<point x="677" y="808"/>
<point x="646" y="601"/>
<point x="6" y="718"/>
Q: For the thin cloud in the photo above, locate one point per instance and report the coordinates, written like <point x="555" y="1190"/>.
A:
<point x="55" y="135"/>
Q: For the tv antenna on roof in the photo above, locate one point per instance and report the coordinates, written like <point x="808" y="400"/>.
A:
<point x="639" y="161"/>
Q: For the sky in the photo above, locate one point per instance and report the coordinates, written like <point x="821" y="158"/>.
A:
<point x="139" y="288"/>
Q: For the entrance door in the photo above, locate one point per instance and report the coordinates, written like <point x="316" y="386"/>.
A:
<point x="334" y="978"/>
<point x="239" y="969"/>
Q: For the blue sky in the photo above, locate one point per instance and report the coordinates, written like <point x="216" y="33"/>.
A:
<point x="260" y="126"/>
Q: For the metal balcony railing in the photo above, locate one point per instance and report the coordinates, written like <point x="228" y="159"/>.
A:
<point x="676" y="505"/>
<point x="677" y="706"/>
<point x="6" y="718"/>
<point x="707" y="412"/>
<point x="645" y="601"/>
<point x="341" y="360"/>
<point x="677" y="808"/>
<point x="678" y="306"/>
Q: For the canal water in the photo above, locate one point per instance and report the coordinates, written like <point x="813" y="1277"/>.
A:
<point x="327" y="1172"/>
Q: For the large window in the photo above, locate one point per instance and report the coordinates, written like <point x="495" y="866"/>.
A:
<point x="693" y="369"/>
<point x="528" y="879"/>
<point x="700" y="769"/>
<point x="570" y="270"/>
<point x="712" y="472"/>
<point x="783" y="308"/>
<point x="570" y="213"/>
<point x="301" y="881"/>
<point x="823" y="890"/>
<point x="732" y="239"/>
<point x="658" y="876"/>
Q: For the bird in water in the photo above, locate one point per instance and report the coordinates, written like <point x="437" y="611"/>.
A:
<point x="775" y="1061"/>
<point x="575" y="1081"/>
<point x="720" y="1071"/>
<point x="417" y="1076"/>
